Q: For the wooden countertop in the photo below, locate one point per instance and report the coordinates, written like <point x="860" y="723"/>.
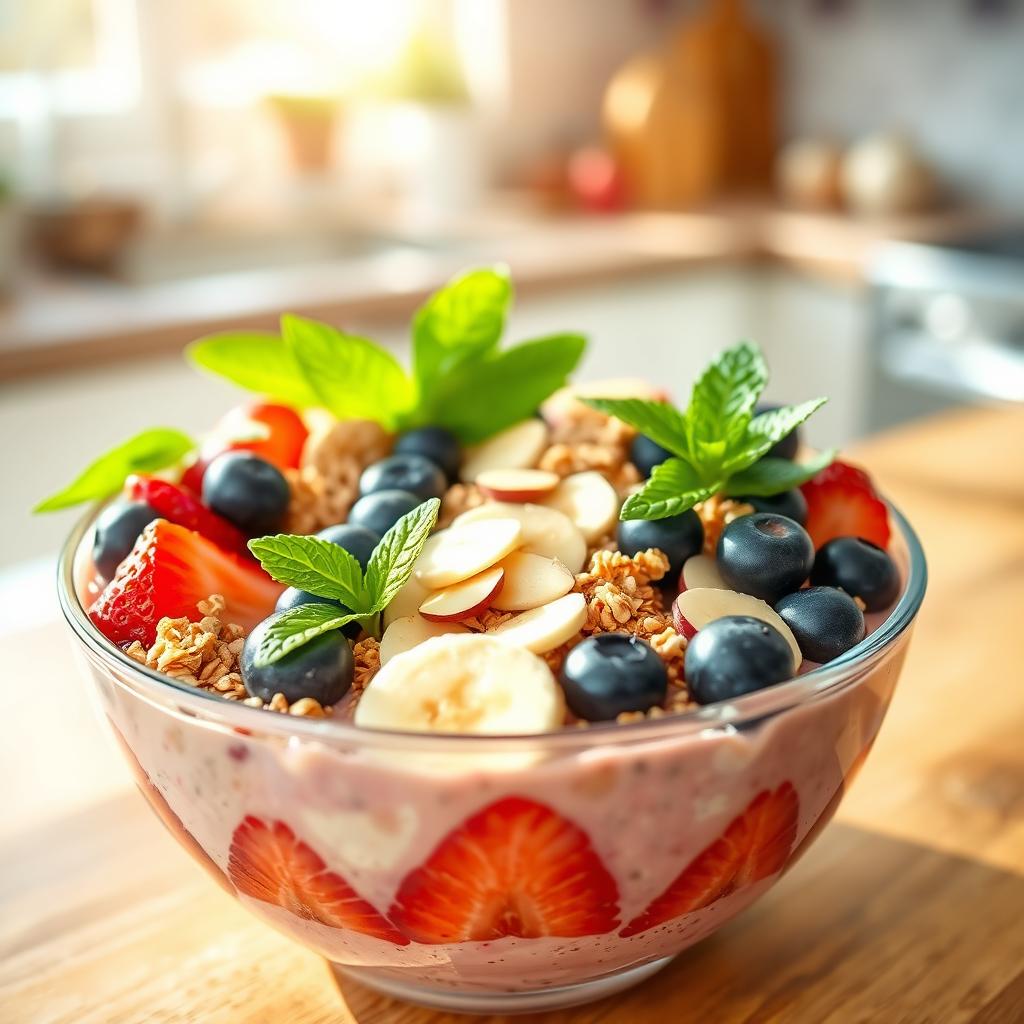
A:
<point x="910" y="908"/>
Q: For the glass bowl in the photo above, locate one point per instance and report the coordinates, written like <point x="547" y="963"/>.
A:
<point x="500" y="874"/>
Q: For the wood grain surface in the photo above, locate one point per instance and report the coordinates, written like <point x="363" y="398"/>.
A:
<point x="910" y="908"/>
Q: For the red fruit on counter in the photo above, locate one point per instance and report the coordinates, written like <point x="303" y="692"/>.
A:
<point x="597" y="181"/>
<point x="755" y="846"/>
<point x="842" y="502"/>
<point x="170" y="570"/>
<point x="514" y="868"/>
<point x="269" y="863"/>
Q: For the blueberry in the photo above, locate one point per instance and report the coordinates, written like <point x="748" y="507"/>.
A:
<point x="735" y="655"/>
<point x="117" y="529"/>
<point x="248" y="491"/>
<point x="321" y="669"/>
<point x="358" y="541"/>
<point x="860" y="568"/>
<point x="791" y="504"/>
<point x="826" y="622"/>
<point x="434" y="443"/>
<point x="413" y="473"/>
<point x="382" y="509"/>
<point x="645" y="454"/>
<point x="764" y="554"/>
<point x="608" y="674"/>
<point x="680" y="537"/>
<point x="788" y="446"/>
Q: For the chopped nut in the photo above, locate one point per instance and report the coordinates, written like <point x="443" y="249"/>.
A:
<point x="715" y="514"/>
<point x="457" y="499"/>
<point x="367" y="664"/>
<point x="306" y="707"/>
<point x="278" y="703"/>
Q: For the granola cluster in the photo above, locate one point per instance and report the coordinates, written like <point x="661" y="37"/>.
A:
<point x="715" y="514"/>
<point x="457" y="499"/>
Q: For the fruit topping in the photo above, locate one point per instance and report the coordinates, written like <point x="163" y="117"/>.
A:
<point x="842" y="502"/>
<point x="645" y="454"/>
<point x="178" y="506"/>
<point x="117" y="529"/>
<point x="545" y="531"/>
<point x="694" y="609"/>
<point x="168" y="572"/>
<point x="382" y="509"/>
<point x="607" y="675"/>
<point x="826" y="622"/>
<point x="465" y="599"/>
<point x="466" y="683"/>
<point x="545" y="628"/>
<point x="515" y="868"/>
<point x="461" y="551"/>
<point x="791" y="504"/>
<point x="407" y="601"/>
<point x="680" y="537"/>
<point x="434" y="443"/>
<point x="268" y="862"/>
<point x="530" y="581"/>
<point x="764" y="554"/>
<point x="756" y="845"/>
<point x="517" y="484"/>
<point x="590" y="501"/>
<point x="701" y="572"/>
<point x="320" y="669"/>
<point x="406" y="633"/>
<point x="518" y="447"/>
<point x="736" y="655"/>
<point x="413" y="473"/>
<point x="860" y="568"/>
<point x="247" y="491"/>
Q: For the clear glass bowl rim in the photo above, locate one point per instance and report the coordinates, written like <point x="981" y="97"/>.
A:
<point x="825" y="680"/>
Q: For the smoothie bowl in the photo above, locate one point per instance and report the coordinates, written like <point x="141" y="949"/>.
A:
<point x="500" y="803"/>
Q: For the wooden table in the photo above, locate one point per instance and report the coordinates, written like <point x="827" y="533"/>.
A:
<point x="909" y="909"/>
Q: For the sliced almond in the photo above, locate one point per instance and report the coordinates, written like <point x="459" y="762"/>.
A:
<point x="517" y="484"/>
<point x="466" y="599"/>
<point x="457" y="553"/>
<point x="406" y="633"/>
<point x="530" y="581"/>
<point x="546" y="531"/>
<point x="701" y="572"/>
<point x="518" y="447"/>
<point x="407" y="601"/>
<point x="589" y="501"/>
<point x="544" y="628"/>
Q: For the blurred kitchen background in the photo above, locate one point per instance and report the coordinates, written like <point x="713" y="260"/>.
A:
<point x="840" y="180"/>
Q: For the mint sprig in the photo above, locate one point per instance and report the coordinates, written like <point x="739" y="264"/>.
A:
<point x="329" y="571"/>
<point x="147" y="452"/>
<point x="460" y="378"/>
<point x="718" y="444"/>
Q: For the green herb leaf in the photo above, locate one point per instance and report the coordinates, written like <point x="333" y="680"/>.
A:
<point x="256" y="361"/>
<point x="145" y="453"/>
<point x="480" y="397"/>
<point x="660" y="421"/>
<point x="353" y="377"/>
<point x="767" y="429"/>
<point x="296" y="627"/>
<point x="770" y="476"/>
<point x="674" y="487"/>
<point x="394" y="558"/>
<point x="314" y="565"/>
<point x="464" y="320"/>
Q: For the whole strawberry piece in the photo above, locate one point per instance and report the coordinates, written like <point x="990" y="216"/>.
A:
<point x="170" y="570"/>
<point x="842" y="502"/>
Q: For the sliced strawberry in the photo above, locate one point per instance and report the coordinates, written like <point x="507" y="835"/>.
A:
<point x="168" y="572"/>
<point x="268" y="863"/>
<point x="754" y="846"/>
<point x="178" y="506"/>
<point x="842" y="502"/>
<point x="514" y="868"/>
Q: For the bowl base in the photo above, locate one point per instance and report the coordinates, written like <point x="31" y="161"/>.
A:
<point x="499" y="1002"/>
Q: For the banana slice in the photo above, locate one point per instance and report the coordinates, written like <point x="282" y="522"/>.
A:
<point x="467" y="684"/>
<point x="518" y="447"/>
<point x="589" y="501"/>
<point x="530" y="581"/>
<point x="546" y="531"/>
<point x="406" y="633"/>
<point x="545" y="628"/>
<point x="407" y="601"/>
<point x="454" y="554"/>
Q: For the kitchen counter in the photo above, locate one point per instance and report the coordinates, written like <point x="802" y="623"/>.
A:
<point x="910" y="907"/>
<point x="63" y="322"/>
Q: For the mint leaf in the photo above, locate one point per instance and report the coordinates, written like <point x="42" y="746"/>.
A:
<point x="482" y="396"/>
<point x="464" y="320"/>
<point x="296" y="627"/>
<point x="256" y="361"/>
<point x="146" y="452"/>
<point x="394" y="558"/>
<point x="353" y="377"/>
<point x="660" y="421"/>
<point x="674" y="487"/>
<point x="314" y="565"/>
<point x="770" y="476"/>
<point x="765" y="430"/>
